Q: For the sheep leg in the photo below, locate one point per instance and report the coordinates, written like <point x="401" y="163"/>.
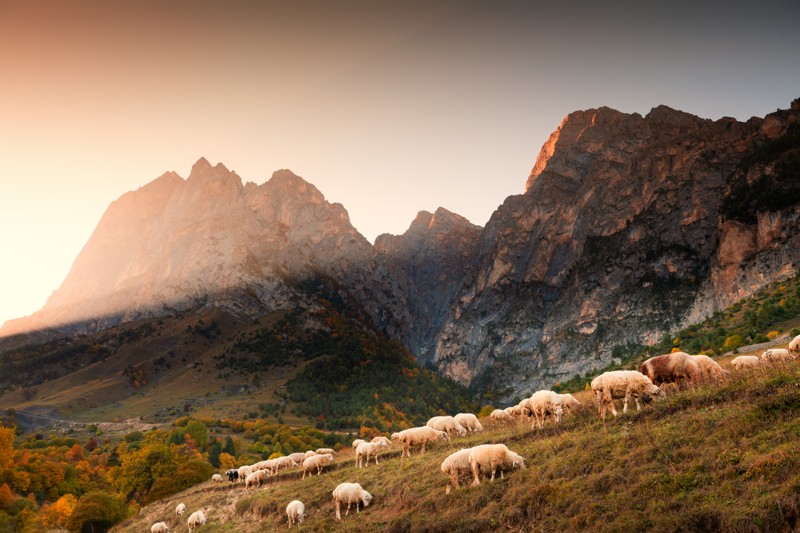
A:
<point x="338" y="509"/>
<point x="422" y="451"/>
<point x="347" y="512"/>
<point x="493" y="467"/>
<point x="476" y="478"/>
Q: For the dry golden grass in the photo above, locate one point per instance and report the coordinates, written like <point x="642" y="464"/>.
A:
<point x="721" y="457"/>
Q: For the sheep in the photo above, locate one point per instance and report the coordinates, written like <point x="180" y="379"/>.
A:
<point x="233" y="474"/>
<point x="419" y="436"/>
<point x="746" y="361"/>
<point x="349" y="493"/>
<point x="357" y="442"/>
<point x="309" y="453"/>
<point x="677" y="367"/>
<point x="159" y="527"/>
<point x="384" y="440"/>
<point x="322" y="451"/>
<point x="297" y="457"/>
<point x="245" y="471"/>
<point x="256" y="478"/>
<point x="777" y="355"/>
<point x="446" y="423"/>
<point x="492" y="457"/>
<point x="456" y="465"/>
<point x="316" y="461"/>
<point x="500" y="415"/>
<point x="794" y="345"/>
<point x="196" y="520"/>
<point x="295" y="512"/>
<point x="469" y="421"/>
<point x="180" y="509"/>
<point x="282" y="463"/>
<point x="709" y="369"/>
<point x="541" y="404"/>
<point x="216" y="478"/>
<point x="625" y="384"/>
<point x="365" y="449"/>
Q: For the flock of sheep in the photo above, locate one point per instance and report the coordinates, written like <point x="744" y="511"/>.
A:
<point x="628" y="385"/>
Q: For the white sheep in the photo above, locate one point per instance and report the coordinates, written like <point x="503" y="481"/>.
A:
<point x="625" y="384"/>
<point x="777" y="355"/>
<point x="456" y="465"/>
<point x="316" y="461"/>
<point x="746" y="361"/>
<point x="446" y="423"/>
<point x="357" y="442"/>
<point x="384" y="440"/>
<point x="245" y="471"/>
<point x="367" y="449"/>
<point x="295" y="512"/>
<point x="709" y="369"/>
<point x="159" y="527"/>
<point x="493" y="457"/>
<point x="469" y="421"/>
<point x="309" y="453"/>
<point x="180" y="509"/>
<point x="283" y="463"/>
<point x="419" y="436"/>
<point x="794" y="345"/>
<point x="196" y="520"/>
<point x="349" y="493"/>
<point x="297" y="457"/>
<point x="216" y="478"/>
<point x="262" y="465"/>
<point x="322" y="451"/>
<point x="500" y="415"/>
<point x="541" y="404"/>
<point x="255" y="479"/>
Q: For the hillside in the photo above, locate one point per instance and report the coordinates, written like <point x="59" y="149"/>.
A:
<point x="722" y="457"/>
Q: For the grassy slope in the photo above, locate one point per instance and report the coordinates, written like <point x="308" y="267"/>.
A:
<point x="723" y="457"/>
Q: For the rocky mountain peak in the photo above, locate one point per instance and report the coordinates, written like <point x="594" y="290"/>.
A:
<point x="285" y="181"/>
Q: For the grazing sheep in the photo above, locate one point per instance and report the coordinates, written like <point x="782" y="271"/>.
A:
<point x="316" y="461"/>
<point x="196" y="520"/>
<point x="322" y="451"/>
<point x="159" y="527"/>
<point x="245" y="471"/>
<point x="541" y="404"/>
<point x="180" y="509"/>
<point x="794" y="345"/>
<point x="216" y="478"/>
<point x="255" y="479"/>
<point x="297" y="457"/>
<point x="367" y="449"/>
<point x="283" y="463"/>
<point x="625" y="384"/>
<point x="519" y="410"/>
<point x="232" y="474"/>
<point x="746" y="361"/>
<point x="309" y="453"/>
<point x="295" y="512"/>
<point x="456" y="465"/>
<point x="357" y="442"/>
<point x="384" y="440"/>
<point x="500" y="415"/>
<point x="419" y="436"/>
<point x="469" y="421"/>
<point x="777" y="355"/>
<point x="349" y="493"/>
<point x="677" y="367"/>
<point x="446" y="423"/>
<point x="490" y="458"/>
<point x="709" y="369"/>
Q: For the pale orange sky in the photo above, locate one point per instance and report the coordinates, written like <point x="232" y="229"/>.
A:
<point x="388" y="109"/>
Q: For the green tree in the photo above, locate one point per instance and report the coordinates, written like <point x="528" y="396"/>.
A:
<point x="213" y="454"/>
<point x="230" y="447"/>
<point x="199" y="433"/>
<point x="97" y="511"/>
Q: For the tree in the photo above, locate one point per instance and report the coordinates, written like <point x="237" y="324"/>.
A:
<point x="199" y="433"/>
<point x="227" y="461"/>
<point x="230" y="447"/>
<point x="97" y="511"/>
<point x="214" y="453"/>
<point x="57" y="514"/>
<point x="6" y="450"/>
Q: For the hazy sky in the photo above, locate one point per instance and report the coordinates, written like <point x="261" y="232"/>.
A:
<point x="387" y="107"/>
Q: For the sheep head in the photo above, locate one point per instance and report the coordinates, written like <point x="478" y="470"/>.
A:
<point x="366" y="497"/>
<point x="653" y="392"/>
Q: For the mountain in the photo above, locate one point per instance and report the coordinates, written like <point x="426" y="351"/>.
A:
<point x="629" y="227"/>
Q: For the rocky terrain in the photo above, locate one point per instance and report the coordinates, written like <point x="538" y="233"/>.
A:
<point x="629" y="227"/>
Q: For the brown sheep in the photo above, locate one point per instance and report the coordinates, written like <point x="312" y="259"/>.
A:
<point x="677" y="367"/>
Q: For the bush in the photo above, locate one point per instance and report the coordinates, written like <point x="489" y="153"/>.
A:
<point x="97" y="511"/>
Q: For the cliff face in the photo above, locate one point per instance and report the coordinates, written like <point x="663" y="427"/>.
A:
<point x="622" y="234"/>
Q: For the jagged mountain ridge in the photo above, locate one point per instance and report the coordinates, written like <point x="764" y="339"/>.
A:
<point x="625" y="230"/>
